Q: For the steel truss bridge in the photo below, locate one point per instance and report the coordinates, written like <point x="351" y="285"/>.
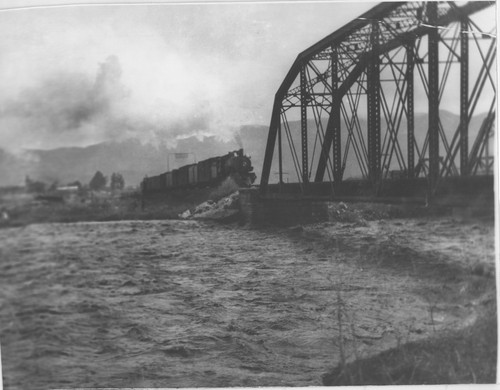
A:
<point x="367" y="100"/>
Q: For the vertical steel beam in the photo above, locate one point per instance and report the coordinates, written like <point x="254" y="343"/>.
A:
<point x="464" y="97"/>
<point x="410" y="116"/>
<point x="373" y="96"/>
<point x="336" y="102"/>
<point x="271" y="142"/>
<point x="337" y="148"/>
<point x="433" y="95"/>
<point x="280" y="154"/>
<point x="303" y="123"/>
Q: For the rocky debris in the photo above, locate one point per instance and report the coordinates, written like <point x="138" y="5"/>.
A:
<point x="185" y="215"/>
<point x="205" y="206"/>
<point x="360" y="213"/>
<point x="225" y="208"/>
<point x="296" y="229"/>
<point x="4" y="217"/>
<point x="342" y="213"/>
<point x="219" y="215"/>
<point x="230" y="202"/>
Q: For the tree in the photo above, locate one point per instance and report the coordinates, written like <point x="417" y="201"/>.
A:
<point x="34" y="186"/>
<point x="98" y="182"/>
<point x="54" y="185"/>
<point x="117" y="181"/>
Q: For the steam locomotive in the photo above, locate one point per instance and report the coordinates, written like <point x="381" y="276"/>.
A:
<point x="206" y="173"/>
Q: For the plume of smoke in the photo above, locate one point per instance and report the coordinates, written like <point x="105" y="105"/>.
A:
<point x="239" y="140"/>
<point x="72" y="109"/>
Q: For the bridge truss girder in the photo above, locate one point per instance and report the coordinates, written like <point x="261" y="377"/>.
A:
<point x="358" y="85"/>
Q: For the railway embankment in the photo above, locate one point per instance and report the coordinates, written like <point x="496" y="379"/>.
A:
<point x="26" y="209"/>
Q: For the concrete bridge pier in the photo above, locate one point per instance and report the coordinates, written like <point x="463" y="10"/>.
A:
<point x="280" y="211"/>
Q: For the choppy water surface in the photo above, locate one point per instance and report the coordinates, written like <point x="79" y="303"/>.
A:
<point x="183" y="303"/>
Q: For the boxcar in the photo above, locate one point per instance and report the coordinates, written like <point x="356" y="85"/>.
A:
<point x="175" y="181"/>
<point x="203" y="172"/>
<point x="168" y="180"/>
<point x="183" y="176"/>
<point x="209" y="170"/>
<point x="193" y="174"/>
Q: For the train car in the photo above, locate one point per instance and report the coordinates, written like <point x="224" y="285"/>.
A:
<point x="163" y="180"/>
<point x="193" y="174"/>
<point x="175" y="180"/>
<point x="206" y="173"/>
<point x="168" y="180"/>
<point x="183" y="176"/>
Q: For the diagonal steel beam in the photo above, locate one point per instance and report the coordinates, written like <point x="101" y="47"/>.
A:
<point x="332" y="120"/>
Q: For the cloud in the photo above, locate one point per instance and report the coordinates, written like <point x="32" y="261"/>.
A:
<point x="73" y="76"/>
<point x="86" y="85"/>
<point x="62" y="106"/>
<point x="65" y="102"/>
<point x="72" y="109"/>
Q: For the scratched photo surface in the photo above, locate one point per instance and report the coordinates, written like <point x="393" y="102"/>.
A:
<point x="247" y="194"/>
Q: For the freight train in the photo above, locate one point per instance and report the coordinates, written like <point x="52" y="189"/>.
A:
<point x="206" y="173"/>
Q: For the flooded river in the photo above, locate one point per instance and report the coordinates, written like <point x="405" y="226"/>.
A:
<point x="187" y="303"/>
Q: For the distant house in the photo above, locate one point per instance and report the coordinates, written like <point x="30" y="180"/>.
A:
<point x="69" y="193"/>
<point x="67" y="189"/>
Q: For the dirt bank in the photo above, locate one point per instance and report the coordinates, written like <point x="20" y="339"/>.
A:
<point x="191" y="303"/>
<point x="21" y="209"/>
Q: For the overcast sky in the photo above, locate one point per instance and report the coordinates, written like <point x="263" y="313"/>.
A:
<point x="77" y="75"/>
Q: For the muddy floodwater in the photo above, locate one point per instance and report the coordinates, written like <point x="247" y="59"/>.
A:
<point x="189" y="303"/>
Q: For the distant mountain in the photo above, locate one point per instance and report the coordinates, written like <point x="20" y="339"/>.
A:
<point x="131" y="158"/>
<point x="135" y="160"/>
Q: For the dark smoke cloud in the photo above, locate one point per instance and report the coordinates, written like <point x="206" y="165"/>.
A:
<point x="66" y="102"/>
<point x="72" y="108"/>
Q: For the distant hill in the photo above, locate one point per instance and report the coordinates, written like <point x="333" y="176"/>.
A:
<point x="135" y="160"/>
<point x="131" y="158"/>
